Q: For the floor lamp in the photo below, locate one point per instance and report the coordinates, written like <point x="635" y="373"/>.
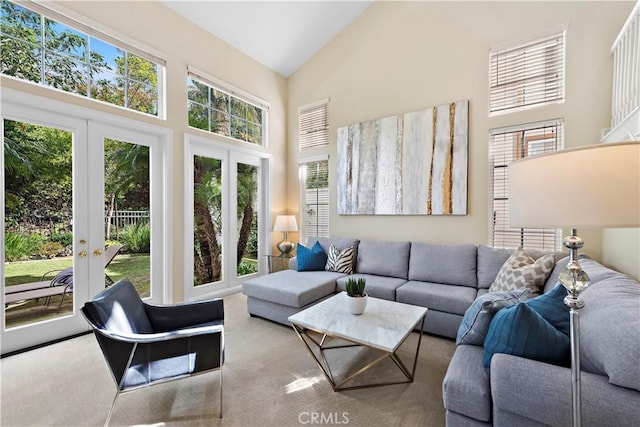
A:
<point x="591" y="186"/>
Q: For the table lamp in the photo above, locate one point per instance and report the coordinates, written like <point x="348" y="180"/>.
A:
<point x="590" y="186"/>
<point x="285" y="223"/>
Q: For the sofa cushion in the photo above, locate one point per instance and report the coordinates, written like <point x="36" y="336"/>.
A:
<point x="552" y="308"/>
<point x="610" y="329"/>
<point x="490" y="260"/>
<point x="466" y="386"/>
<point x="311" y="259"/>
<point x="377" y="286"/>
<point x="520" y="331"/>
<point x="389" y="259"/>
<point x="436" y="296"/>
<point x="340" y="261"/>
<point x="477" y="318"/>
<point x="522" y="271"/>
<point x="340" y="243"/>
<point x="292" y="288"/>
<point x="448" y="264"/>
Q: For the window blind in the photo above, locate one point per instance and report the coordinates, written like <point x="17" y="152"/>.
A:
<point x="528" y="75"/>
<point x="314" y="212"/>
<point x="506" y="146"/>
<point x="314" y="125"/>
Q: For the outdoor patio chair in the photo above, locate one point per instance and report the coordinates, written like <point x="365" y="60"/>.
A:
<point x="64" y="277"/>
<point x="60" y="284"/>
<point x="146" y="344"/>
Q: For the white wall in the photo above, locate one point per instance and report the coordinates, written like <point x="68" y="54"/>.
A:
<point x="404" y="56"/>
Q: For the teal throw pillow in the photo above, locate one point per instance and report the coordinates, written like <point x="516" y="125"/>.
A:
<point x="478" y="316"/>
<point x="311" y="259"/>
<point x="551" y="306"/>
<point x="520" y="331"/>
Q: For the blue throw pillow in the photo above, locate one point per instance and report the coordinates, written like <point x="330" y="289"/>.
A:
<point x="313" y="259"/>
<point x="520" y="331"/>
<point x="551" y="306"/>
<point x="477" y="318"/>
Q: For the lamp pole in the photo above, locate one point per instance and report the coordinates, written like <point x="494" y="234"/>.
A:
<point x="574" y="279"/>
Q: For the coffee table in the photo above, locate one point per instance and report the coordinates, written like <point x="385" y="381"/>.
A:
<point x="383" y="327"/>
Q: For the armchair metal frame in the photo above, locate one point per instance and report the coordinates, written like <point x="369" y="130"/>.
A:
<point x="193" y="322"/>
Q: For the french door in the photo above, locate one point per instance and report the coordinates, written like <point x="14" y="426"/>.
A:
<point x="225" y="216"/>
<point x="64" y="172"/>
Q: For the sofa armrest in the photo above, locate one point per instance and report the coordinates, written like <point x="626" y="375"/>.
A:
<point x="542" y="392"/>
<point x="185" y="315"/>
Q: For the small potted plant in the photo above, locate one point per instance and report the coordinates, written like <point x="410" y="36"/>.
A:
<point x="356" y="297"/>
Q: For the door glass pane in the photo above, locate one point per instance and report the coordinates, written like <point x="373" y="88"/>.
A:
<point x="127" y="214"/>
<point x="38" y="274"/>
<point x="247" y="246"/>
<point x="207" y="220"/>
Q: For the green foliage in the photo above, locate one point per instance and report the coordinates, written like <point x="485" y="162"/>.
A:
<point x="247" y="268"/>
<point x="355" y="287"/>
<point x="65" y="239"/>
<point x="21" y="246"/>
<point x="49" y="249"/>
<point x="136" y="238"/>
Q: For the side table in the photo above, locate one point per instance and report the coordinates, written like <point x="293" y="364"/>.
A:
<point x="281" y="257"/>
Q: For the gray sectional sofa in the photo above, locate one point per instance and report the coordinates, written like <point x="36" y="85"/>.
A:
<point x="447" y="279"/>
<point x="516" y="391"/>
<point x="444" y="278"/>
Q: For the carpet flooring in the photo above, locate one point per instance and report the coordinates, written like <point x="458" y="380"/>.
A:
<point x="269" y="380"/>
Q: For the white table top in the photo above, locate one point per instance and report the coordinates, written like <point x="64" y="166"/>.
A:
<point x="383" y="325"/>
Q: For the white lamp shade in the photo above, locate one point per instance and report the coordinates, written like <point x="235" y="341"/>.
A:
<point x="285" y="223"/>
<point x="591" y="186"/>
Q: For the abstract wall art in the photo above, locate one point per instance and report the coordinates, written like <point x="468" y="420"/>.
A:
<point x="410" y="164"/>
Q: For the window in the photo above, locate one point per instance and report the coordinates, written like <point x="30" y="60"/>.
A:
<point x="219" y="110"/>
<point x="314" y="125"/>
<point x="527" y="75"/>
<point x="314" y="213"/>
<point x="73" y="57"/>
<point x="507" y="145"/>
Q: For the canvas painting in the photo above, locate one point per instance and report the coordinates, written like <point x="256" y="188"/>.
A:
<point x="409" y="164"/>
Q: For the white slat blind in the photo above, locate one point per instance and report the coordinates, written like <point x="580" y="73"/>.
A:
<point x="314" y="125"/>
<point x="527" y="75"/>
<point x="314" y="212"/>
<point x="506" y="146"/>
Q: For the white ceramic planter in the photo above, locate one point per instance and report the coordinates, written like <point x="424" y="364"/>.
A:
<point x="357" y="304"/>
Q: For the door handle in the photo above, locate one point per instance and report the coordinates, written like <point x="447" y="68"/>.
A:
<point x="82" y="254"/>
<point x="97" y="252"/>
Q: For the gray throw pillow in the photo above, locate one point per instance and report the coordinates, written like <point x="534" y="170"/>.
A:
<point x="478" y="316"/>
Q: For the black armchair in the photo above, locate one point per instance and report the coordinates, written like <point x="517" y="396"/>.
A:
<point x="145" y="344"/>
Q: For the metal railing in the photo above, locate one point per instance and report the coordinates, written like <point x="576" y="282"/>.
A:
<point x="626" y="69"/>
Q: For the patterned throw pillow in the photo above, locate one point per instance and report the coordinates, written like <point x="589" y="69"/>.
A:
<point x="340" y="261"/>
<point x="521" y="271"/>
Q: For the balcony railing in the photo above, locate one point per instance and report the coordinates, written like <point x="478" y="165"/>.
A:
<point x="626" y="69"/>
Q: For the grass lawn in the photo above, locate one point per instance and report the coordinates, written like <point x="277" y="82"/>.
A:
<point x="136" y="267"/>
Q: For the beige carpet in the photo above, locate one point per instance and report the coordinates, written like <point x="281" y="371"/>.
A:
<point x="269" y="380"/>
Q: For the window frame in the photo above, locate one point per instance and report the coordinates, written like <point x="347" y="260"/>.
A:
<point x="304" y="205"/>
<point x="233" y="93"/>
<point x="91" y="29"/>
<point x="551" y="239"/>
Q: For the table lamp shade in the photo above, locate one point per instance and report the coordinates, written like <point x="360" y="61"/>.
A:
<point x="591" y="186"/>
<point x="285" y="223"/>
